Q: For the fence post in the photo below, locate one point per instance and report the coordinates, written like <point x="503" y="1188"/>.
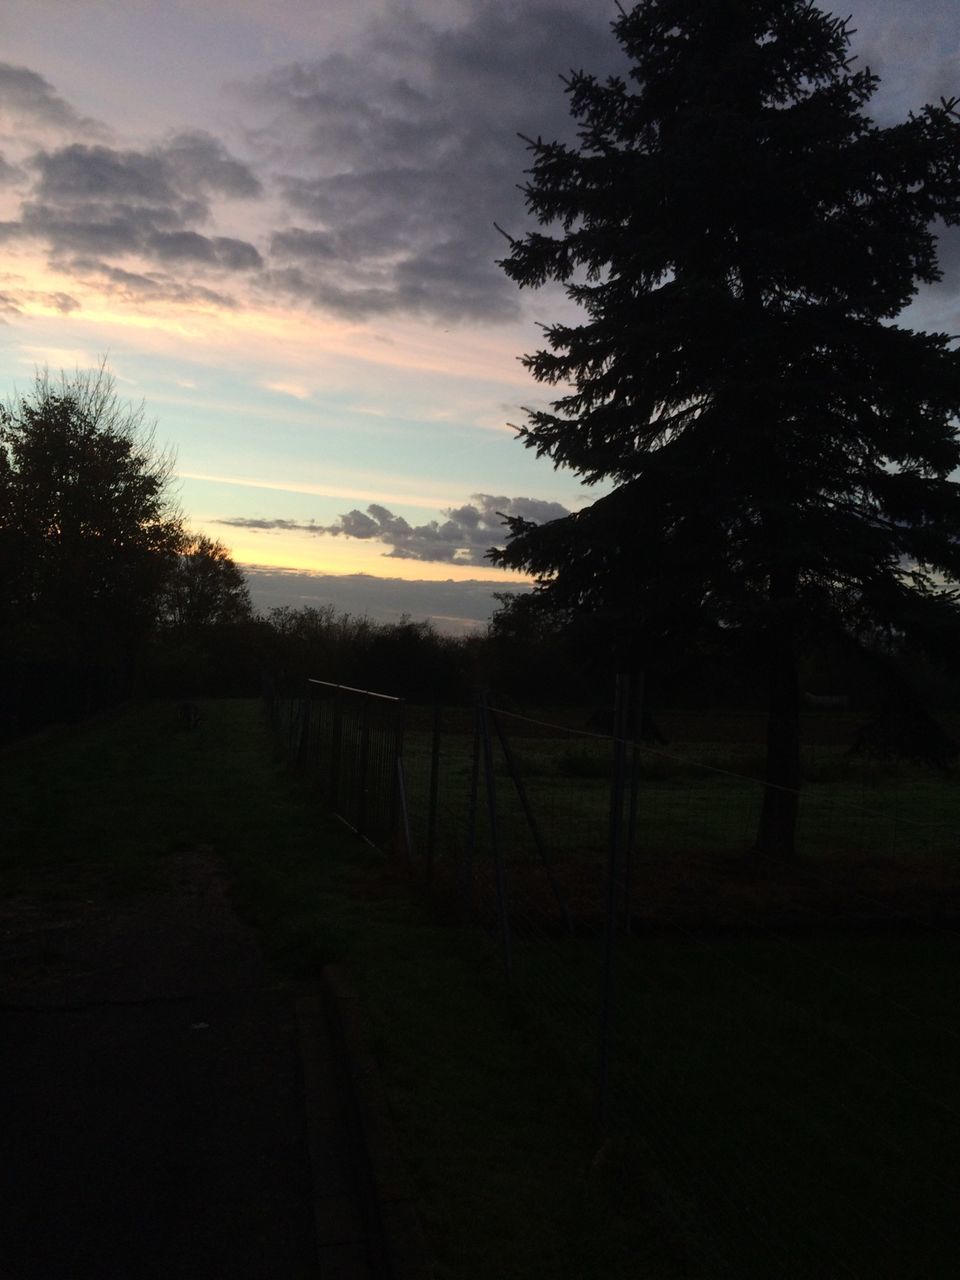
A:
<point x="434" y="792"/>
<point x="364" y="760"/>
<point x="610" y="922"/>
<point x="531" y="820"/>
<point x="495" y="837"/>
<point x="303" y="737"/>
<point x="470" y="844"/>
<point x="335" y="752"/>
<point x="399" y="807"/>
<point x="404" y="812"/>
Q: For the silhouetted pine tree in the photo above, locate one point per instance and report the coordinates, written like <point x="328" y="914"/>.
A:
<point x="740" y="236"/>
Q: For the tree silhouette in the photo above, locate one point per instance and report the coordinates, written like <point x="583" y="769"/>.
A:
<point x="205" y="587"/>
<point x="87" y="537"/>
<point x="740" y="236"/>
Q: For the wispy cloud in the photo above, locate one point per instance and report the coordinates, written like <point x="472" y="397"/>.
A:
<point x="295" y="389"/>
<point x="325" y="490"/>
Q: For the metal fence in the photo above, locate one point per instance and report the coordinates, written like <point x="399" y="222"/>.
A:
<point x="350" y="742"/>
<point x="775" y="1046"/>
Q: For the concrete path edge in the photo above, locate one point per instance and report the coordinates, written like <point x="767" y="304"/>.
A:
<point x="397" y="1243"/>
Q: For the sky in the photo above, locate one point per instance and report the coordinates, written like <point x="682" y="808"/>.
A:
<point x="277" y="224"/>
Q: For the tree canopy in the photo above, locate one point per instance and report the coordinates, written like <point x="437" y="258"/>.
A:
<point x="205" y="588"/>
<point x="740" y="237"/>
<point x="88" y="530"/>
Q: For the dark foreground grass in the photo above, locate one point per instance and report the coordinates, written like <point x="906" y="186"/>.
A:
<point x="788" y="1100"/>
<point x="782" y="1103"/>
<point x="498" y="1140"/>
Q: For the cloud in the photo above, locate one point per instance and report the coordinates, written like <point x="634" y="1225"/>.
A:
<point x="92" y="227"/>
<point x="302" y="246"/>
<point x="190" y="246"/>
<point x="948" y="252"/>
<point x="185" y="169"/>
<point x="13" y="302"/>
<point x="463" y="537"/>
<point x="145" y="286"/>
<point x="9" y="173"/>
<point x="81" y="172"/>
<point x="395" y="158"/>
<point x="106" y="204"/>
<point x="456" y="608"/>
<point x="256" y="522"/>
<point x="198" y="162"/>
<point x="27" y="96"/>
<point x="295" y="389"/>
<point x="62" y="302"/>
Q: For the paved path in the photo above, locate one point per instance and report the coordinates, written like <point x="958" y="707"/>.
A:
<point x="154" y="1120"/>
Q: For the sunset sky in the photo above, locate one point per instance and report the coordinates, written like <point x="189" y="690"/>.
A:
<point x="276" y="221"/>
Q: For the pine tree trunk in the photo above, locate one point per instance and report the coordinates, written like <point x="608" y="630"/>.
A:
<point x="776" y="835"/>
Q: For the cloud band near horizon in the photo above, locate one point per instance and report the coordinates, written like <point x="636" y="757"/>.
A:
<point x="465" y="536"/>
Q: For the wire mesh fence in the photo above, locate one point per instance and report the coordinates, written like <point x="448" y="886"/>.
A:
<point x="771" y="1050"/>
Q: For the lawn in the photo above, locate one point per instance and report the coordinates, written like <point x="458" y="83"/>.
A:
<point x="781" y="1086"/>
<point x="498" y="1142"/>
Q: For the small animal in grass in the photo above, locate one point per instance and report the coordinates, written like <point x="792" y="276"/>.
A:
<point x="188" y="715"/>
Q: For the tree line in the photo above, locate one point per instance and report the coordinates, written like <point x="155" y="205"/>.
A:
<point x="106" y="593"/>
<point x="96" y="562"/>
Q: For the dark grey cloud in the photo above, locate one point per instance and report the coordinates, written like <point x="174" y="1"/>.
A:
<point x="92" y="201"/>
<point x="186" y="169"/>
<point x="81" y="172"/>
<point x="396" y="158"/>
<point x="92" y="226"/>
<point x="198" y="162"/>
<point x="27" y="96"/>
<point x="300" y="245"/>
<point x="456" y="608"/>
<point x="190" y="246"/>
<point x="464" y="536"/>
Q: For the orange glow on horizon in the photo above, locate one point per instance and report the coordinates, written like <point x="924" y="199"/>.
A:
<point x="343" y="557"/>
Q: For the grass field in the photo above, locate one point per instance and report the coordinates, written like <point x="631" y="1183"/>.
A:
<point x="782" y="1092"/>
<point x="788" y="1101"/>
<point x="702" y="791"/>
<point x="498" y="1142"/>
<point x="876" y="839"/>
